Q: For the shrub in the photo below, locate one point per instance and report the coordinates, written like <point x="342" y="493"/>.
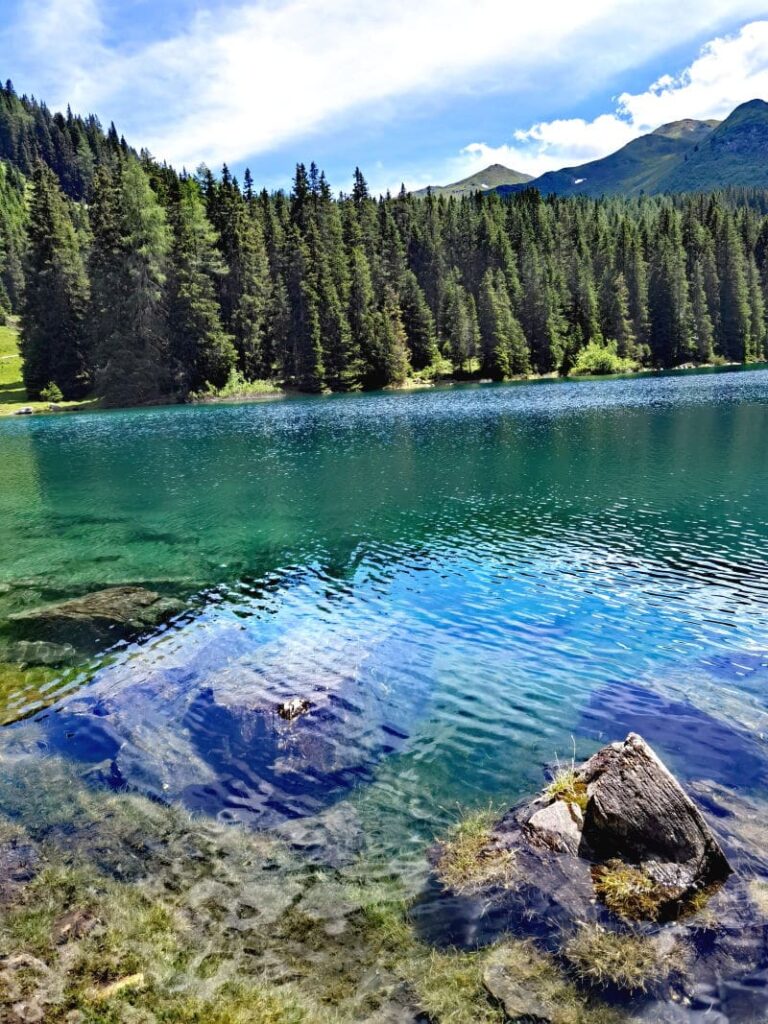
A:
<point x="51" y="393"/>
<point x="596" y="359"/>
<point x="237" y="386"/>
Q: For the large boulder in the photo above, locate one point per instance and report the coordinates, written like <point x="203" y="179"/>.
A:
<point x="105" y="616"/>
<point x="613" y="840"/>
<point x="637" y="812"/>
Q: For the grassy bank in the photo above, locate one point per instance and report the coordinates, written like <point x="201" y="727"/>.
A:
<point x="13" y="394"/>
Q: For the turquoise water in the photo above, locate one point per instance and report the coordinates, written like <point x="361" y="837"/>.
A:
<point x="463" y="575"/>
<point x="465" y="583"/>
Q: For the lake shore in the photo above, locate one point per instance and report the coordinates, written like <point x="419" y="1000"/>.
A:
<point x="13" y="396"/>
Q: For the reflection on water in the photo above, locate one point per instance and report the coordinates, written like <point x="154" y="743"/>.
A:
<point x="458" y="582"/>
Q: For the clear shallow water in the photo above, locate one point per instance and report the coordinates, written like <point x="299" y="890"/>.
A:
<point x="461" y="581"/>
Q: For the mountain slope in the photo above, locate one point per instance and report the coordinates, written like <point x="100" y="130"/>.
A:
<point x="637" y="167"/>
<point x="492" y="177"/>
<point x="735" y="153"/>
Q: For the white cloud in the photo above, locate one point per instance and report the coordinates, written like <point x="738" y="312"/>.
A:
<point x="729" y="71"/>
<point x="241" y="81"/>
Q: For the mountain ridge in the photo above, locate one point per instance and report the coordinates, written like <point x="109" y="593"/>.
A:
<point x="680" y="156"/>
<point x="637" y="167"/>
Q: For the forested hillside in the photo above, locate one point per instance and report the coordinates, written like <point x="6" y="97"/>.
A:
<point x="142" y="285"/>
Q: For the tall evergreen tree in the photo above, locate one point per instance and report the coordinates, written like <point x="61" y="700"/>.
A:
<point x="458" y="325"/>
<point x="504" y="351"/>
<point x="201" y="352"/>
<point x="418" y="322"/>
<point x="703" y="330"/>
<point x="131" y="241"/>
<point x="244" y="291"/>
<point x="734" y="326"/>
<point x="54" y="345"/>
<point x="618" y="325"/>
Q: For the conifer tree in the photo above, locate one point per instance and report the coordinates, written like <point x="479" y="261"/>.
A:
<point x="305" y="363"/>
<point x="418" y="322"/>
<point x="54" y="346"/>
<point x="128" y="266"/>
<point x="245" y="289"/>
<point x="362" y="317"/>
<point x="670" y="317"/>
<point x="389" y="365"/>
<point x="617" y="318"/>
<point x="734" y="325"/>
<point x="201" y="352"/>
<point x="458" y="325"/>
<point x="756" y="311"/>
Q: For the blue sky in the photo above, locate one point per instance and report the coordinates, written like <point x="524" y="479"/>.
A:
<point x="419" y="93"/>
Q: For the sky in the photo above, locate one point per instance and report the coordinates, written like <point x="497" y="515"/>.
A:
<point x="412" y="92"/>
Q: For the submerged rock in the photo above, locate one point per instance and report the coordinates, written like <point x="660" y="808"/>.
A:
<point x="334" y="837"/>
<point x="19" y="863"/>
<point x="104" y="616"/>
<point x="41" y="652"/>
<point x="290" y="709"/>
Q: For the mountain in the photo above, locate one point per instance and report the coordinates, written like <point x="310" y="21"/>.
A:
<point x="735" y="153"/>
<point x="492" y="177"/>
<point x="640" y="166"/>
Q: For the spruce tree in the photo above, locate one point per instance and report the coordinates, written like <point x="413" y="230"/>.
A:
<point x="418" y="322"/>
<point x="390" y="364"/>
<point x="305" y="364"/>
<point x="362" y="317"/>
<point x="458" y="325"/>
<point x="201" y="352"/>
<point x="504" y="351"/>
<point x="244" y="290"/>
<point x="131" y="241"/>
<point x="54" y="340"/>
<point x="734" y="326"/>
<point x="703" y="331"/>
<point x="617" y="318"/>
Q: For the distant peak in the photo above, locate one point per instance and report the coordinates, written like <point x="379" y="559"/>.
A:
<point x="686" y="127"/>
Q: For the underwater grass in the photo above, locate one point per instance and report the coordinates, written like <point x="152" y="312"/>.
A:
<point x="626" y="960"/>
<point x="142" y="913"/>
<point x="469" y="858"/>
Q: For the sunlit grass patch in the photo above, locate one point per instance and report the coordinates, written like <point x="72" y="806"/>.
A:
<point x="450" y="989"/>
<point x="568" y="786"/>
<point x="626" y="960"/>
<point x="471" y="859"/>
<point x="628" y="891"/>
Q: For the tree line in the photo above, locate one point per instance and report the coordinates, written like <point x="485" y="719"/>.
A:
<point x="151" y="285"/>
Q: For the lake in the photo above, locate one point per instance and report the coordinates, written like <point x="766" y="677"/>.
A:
<point x="466" y="584"/>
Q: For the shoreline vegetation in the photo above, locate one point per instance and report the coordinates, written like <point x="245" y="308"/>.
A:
<point x="146" y="286"/>
<point x="13" y="394"/>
